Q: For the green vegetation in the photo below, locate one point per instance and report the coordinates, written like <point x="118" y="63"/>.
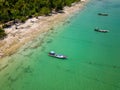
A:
<point x="10" y="10"/>
<point x="2" y="33"/>
<point x="21" y="9"/>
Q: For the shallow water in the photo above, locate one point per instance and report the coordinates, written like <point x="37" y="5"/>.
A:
<point x="93" y="58"/>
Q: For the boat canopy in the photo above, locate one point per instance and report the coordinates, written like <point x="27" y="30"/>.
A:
<point x="52" y="52"/>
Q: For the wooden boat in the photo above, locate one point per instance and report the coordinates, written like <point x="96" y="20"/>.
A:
<point x="103" y="14"/>
<point x="53" y="54"/>
<point x="100" y="30"/>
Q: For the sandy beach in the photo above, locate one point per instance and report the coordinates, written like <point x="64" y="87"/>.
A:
<point x="32" y="28"/>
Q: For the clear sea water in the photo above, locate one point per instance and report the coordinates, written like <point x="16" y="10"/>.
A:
<point x="93" y="58"/>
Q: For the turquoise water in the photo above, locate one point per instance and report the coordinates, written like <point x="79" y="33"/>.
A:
<point x="93" y="58"/>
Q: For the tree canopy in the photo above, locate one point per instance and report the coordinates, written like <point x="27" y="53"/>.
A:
<point x="16" y="9"/>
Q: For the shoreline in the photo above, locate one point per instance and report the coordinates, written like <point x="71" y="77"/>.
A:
<point x="32" y="28"/>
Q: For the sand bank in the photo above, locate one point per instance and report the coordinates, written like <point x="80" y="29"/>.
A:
<point x="32" y="28"/>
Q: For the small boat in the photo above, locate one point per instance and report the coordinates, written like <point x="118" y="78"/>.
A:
<point x="100" y="30"/>
<point x="103" y="14"/>
<point x="53" y="54"/>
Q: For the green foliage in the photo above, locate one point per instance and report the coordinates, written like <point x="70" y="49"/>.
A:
<point x="44" y="11"/>
<point x="22" y="9"/>
<point x="2" y="33"/>
<point x="23" y="19"/>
